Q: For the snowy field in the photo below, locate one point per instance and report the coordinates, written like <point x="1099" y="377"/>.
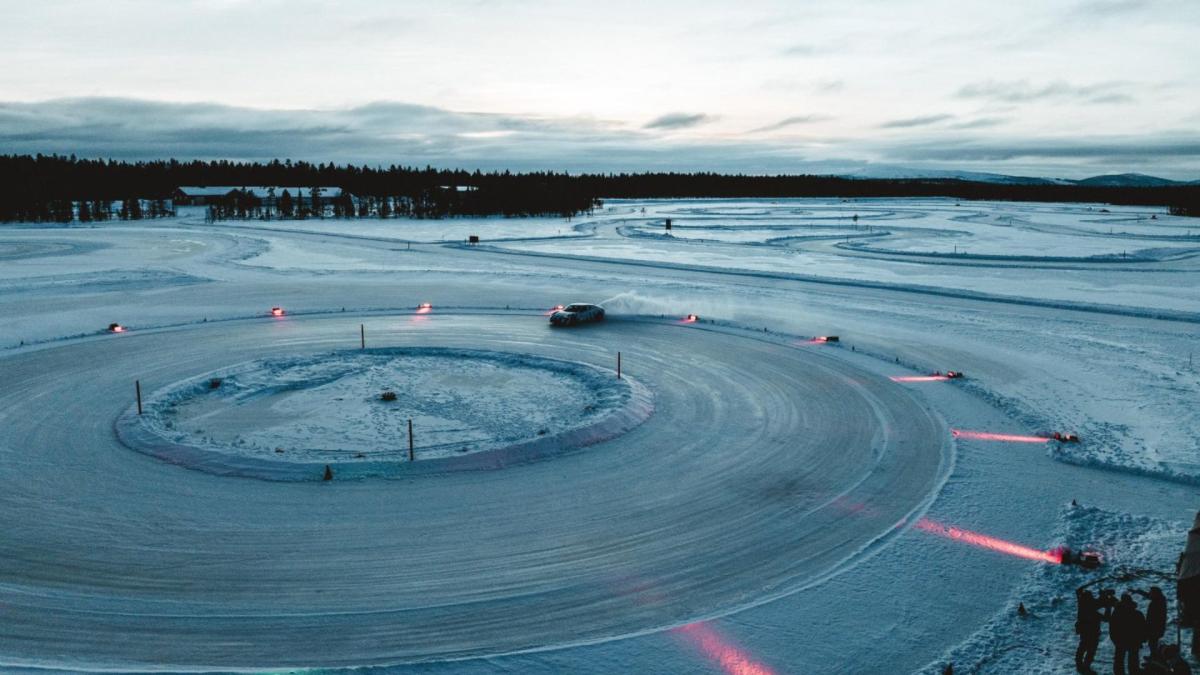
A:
<point x="762" y="502"/>
<point x="490" y="229"/>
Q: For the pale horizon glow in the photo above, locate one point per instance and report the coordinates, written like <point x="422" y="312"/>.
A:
<point x="1068" y="88"/>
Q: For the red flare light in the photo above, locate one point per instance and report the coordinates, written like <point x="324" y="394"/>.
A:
<point x="1054" y="556"/>
<point x="988" y="436"/>
<point x="424" y="308"/>
<point x="276" y="311"/>
<point x="720" y="651"/>
<point x="691" y="318"/>
<point x="556" y="308"/>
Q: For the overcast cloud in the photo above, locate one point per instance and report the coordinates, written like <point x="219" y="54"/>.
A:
<point x="1065" y="88"/>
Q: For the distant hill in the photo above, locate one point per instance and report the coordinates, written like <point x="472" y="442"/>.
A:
<point x="889" y="172"/>
<point x="1122" y="180"/>
<point x="1128" y="180"/>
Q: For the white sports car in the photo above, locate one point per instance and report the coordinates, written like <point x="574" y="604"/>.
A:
<point x="577" y="313"/>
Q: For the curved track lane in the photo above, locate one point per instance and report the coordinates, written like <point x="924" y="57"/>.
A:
<point x="764" y="468"/>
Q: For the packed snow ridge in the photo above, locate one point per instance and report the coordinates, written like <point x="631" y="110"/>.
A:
<point x="286" y="418"/>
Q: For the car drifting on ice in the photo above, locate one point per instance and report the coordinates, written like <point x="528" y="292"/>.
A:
<point x="577" y="313"/>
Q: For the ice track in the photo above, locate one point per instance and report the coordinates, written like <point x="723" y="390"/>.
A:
<point x="754" y="477"/>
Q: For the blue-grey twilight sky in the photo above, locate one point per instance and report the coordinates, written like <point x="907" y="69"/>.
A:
<point x="1065" y="88"/>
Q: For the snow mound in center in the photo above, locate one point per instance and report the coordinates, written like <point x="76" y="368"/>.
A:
<point x="286" y="419"/>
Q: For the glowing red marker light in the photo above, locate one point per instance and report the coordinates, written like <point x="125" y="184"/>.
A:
<point x="1054" y="556"/>
<point x="1006" y="438"/>
<point x="277" y="311"/>
<point x="716" y="648"/>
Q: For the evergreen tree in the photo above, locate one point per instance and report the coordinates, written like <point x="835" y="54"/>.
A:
<point x="314" y="201"/>
<point x="286" y="207"/>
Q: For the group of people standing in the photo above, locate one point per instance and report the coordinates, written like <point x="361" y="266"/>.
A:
<point x="1129" y="630"/>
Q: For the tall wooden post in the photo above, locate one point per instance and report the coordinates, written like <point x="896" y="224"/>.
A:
<point x="618" y="365"/>
<point x="362" y="336"/>
<point x="137" y="385"/>
<point x="410" y="441"/>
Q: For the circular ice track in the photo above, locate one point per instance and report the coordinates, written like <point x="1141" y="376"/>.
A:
<point x="763" y="468"/>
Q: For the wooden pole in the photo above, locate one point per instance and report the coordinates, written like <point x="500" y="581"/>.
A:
<point x="410" y="441"/>
<point x="618" y="365"/>
<point x="362" y="336"/>
<point x="137" y="385"/>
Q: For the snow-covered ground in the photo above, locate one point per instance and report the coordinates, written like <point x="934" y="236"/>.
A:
<point x="758" y="521"/>
<point x="1139" y="552"/>
<point x="489" y="229"/>
<point x="329" y="409"/>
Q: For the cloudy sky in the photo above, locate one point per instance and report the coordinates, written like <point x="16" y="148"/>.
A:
<point x="1037" y="87"/>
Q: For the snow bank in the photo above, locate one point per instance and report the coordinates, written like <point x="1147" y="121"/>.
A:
<point x="1139" y="552"/>
<point x="1105" y="444"/>
<point x="287" y="418"/>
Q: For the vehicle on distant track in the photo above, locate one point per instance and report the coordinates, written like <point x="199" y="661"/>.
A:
<point x="954" y="374"/>
<point x="577" y="313"/>
<point x="1065" y="437"/>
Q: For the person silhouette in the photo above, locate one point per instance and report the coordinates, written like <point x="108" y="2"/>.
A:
<point x="1156" y="617"/>
<point x="1087" y="626"/>
<point x="1127" y="630"/>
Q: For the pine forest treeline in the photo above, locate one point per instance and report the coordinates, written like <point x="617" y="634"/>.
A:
<point x="56" y="188"/>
